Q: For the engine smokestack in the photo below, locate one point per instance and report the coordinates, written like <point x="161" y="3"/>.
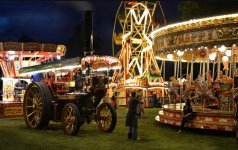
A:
<point x="88" y="33"/>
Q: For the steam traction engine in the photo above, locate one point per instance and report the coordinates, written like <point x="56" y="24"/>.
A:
<point x="72" y="98"/>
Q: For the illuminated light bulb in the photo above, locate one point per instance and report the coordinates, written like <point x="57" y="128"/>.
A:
<point x="170" y="56"/>
<point x="222" y="48"/>
<point x="156" y="57"/>
<point x="180" y="53"/>
<point x="228" y="53"/>
<point x="11" y="52"/>
<point x="225" y="58"/>
<point x="58" y="57"/>
<point x="11" y="58"/>
<point x="212" y="56"/>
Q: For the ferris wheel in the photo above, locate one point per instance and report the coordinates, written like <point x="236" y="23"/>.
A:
<point x="136" y="22"/>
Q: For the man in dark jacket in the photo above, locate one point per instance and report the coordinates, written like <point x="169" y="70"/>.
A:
<point x="131" y="117"/>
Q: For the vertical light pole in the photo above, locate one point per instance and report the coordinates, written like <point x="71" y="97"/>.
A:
<point x="180" y="54"/>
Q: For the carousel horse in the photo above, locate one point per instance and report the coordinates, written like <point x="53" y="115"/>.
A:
<point x="173" y="92"/>
<point x="225" y="92"/>
<point x="204" y="94"/>
<point x="209" y="79"/>
<point x="189" y="91"/>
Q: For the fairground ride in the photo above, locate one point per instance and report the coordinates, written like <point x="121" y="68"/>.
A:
<point x="135" y="21"/>
<point x="15" y="55"/>
<point x="204" y="49"/>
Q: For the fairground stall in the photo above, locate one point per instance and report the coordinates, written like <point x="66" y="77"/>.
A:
<point x="203" y="54"/>
<point x="140" y="70"/>
<point x="13" y="56"/>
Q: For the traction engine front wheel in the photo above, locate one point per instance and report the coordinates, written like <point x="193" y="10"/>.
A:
<point x="70" y="119"/>
<point x="107" y="117"/>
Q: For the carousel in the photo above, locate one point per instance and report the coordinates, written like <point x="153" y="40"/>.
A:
<point x="203" y="53"/>
<point x="13" y="56"/>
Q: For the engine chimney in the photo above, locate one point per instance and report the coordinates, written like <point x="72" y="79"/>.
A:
<point x="88" y="33"/>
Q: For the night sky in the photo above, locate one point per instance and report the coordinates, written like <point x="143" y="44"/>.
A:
<point x="56" y="21"/>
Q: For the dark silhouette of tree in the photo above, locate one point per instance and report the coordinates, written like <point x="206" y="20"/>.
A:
<point x="200" y="9"/>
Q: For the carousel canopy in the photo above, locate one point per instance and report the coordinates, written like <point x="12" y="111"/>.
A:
<point x="15" y="55"/>
<point x="197" y="39"/>
<point x="100" y="62"/>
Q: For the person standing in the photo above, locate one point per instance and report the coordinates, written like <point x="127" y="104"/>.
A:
<point x="114" y="100"/>
<point x="187" y="114"/>
<point x="140" y="107"/>
<point x="154" y="100"/>
<point x="131" y="117"/>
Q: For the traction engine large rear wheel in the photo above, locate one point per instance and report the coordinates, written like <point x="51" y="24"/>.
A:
<point x="107" y="117"/>
<point x="37" y="105"/>
<point x="70" y="119"/>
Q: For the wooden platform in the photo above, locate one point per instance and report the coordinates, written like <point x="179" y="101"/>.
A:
<point x="203" y="118"/>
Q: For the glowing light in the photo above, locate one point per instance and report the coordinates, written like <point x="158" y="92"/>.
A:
<point x="125" y="36"/>
<point x="222" y="48"/>
<point x="225" y="58"/>
<point x="180" y="53"/>
<point x="11" y="58"/>
<point x="52" y="69"/>
<point x="3" y="78"/>
<point x="212" y="56"/>
<point x="228" y="53"/>
<point x="144" y="15"/>
<point x="192" y="21"/>
<point x="11" y="52"/>
<point x="170" y="56"/>
<point x="58" y="57"/>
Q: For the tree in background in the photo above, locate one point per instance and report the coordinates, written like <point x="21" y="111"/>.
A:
<point x="200" y="9"/>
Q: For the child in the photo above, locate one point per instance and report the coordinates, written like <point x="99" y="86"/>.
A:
<point x="140" y="107"/>
<point x="114" y="100"/>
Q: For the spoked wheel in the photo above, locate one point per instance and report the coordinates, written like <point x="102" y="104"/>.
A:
<point x="70" y="119"/>
<point x="37" y="105"/>
<point x="107" y="117"/>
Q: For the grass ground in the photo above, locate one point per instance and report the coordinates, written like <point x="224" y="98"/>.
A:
<point x="14" y="135"/>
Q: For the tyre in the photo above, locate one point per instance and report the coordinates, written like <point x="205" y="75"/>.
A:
<point x="106" y="117"/>
<point x="37" y="105"/>
<point x="70" y="119"/>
